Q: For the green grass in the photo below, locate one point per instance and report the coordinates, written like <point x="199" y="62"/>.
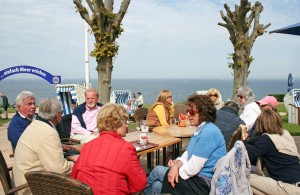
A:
<point x="10" y="110"/>
<point x="292" y="128"/>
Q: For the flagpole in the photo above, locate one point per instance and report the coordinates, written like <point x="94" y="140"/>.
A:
<point x="86" y="54"/>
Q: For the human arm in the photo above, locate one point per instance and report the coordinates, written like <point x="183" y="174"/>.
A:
<point x="205" y="146"/>
<point x="260" y="147"/>
<point x="174" y="172"/>
<point x="50" y="153"/>
<point x="249" y="115"/>
<point x="77" y="128"/>
<point x="161" y="115"/>
<point x="136" y="175"/>
<point x="15" y="129"/>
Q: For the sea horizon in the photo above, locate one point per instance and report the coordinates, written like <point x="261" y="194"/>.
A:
<point x="181" y="88"/>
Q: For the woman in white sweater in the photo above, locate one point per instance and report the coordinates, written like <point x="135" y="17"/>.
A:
<point x="249" y="110"/>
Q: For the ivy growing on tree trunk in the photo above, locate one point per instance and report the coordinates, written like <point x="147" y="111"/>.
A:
<point x="106" y="27"/>
<point x="239" y="23"/>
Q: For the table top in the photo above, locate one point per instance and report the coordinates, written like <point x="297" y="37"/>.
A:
<point x="175" y="131"/>
<point x="161" y="140"/>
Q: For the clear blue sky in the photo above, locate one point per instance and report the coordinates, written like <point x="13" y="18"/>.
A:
<point x="162" y="39"/>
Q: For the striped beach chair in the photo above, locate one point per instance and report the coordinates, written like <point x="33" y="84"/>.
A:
<point x="70" y="94"/>
<point x="120" y="96"/>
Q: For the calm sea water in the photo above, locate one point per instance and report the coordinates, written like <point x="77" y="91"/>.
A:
<point x="150" y="88"/>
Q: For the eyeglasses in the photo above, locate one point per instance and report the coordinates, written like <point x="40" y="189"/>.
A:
<point x="191" y="111"/>
<point x="211" y="95"/>
<point x="170" y="97"/>
<point x="240" y="96"/>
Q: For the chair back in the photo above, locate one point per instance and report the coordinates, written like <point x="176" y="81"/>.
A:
<point x="237" y="135"/>
<point x="179" y="108"/>
<point x="140" y="114"/>
<point x="64" y="127"/>
<point x="46" y="182"/>
<point x="4" y="174"/>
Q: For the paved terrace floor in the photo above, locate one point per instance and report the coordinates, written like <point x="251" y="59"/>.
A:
<point x="6" y="149"/>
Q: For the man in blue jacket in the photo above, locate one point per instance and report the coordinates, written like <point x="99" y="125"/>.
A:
<point x="25" y="103"/>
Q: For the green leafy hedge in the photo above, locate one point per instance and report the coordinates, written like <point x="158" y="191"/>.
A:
<point x="279" y="97"/>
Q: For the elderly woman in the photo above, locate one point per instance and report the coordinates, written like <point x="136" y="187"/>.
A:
<point x="215" y="97"/>
<point x="108" y="163"/>
<point x="192" y="172"/>
<point x="160" y="112"/>
<point x="249" y="110"/>
<point x="279" y="154"/>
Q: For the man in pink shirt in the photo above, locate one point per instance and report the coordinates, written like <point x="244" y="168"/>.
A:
<point x="84" y="118"/>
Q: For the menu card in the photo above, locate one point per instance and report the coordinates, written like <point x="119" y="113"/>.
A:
<point x="140" y="147"/>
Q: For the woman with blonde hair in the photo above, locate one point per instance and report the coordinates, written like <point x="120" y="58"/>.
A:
<point x="278" y="152"/>
<point x="215" y="97"/>
<point x="108" y="163"/>
<point x="161" y="111"/>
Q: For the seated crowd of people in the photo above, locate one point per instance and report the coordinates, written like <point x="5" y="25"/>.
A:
<point x="110" y="165"/>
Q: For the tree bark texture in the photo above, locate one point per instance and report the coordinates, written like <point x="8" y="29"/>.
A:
<point x="106" y="27"/>
<point x="238" y="23"/>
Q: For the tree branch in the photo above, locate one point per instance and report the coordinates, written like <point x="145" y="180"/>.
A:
<point x="109" y="5"/>
<point x="83" y="11"/>
<point x="90" y="5"/>
<point x="99" y="13"/>
<point x="119" y="17"/>
<point x="123" y="8"/>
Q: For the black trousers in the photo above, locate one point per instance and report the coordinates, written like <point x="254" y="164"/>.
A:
<point x="194" y="185"/>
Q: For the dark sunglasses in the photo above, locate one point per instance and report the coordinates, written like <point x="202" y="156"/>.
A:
<point x="240" y="96"/>
<point x="191" y="111"/>
<point x="213" y="95"/>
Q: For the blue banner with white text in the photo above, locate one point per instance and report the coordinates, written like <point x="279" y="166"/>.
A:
<point x="52" y="79"/>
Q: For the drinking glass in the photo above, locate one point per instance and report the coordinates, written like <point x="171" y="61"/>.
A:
<point x="173" y="124"/>
<point x="138" y="128"/>
<point x="144" y="127"/>
<point x="143" y="138"/>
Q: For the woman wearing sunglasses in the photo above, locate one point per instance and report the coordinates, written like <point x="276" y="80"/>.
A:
<point x="249" y="110"/>
<point x="215" y="97"/>
<point x="161" y="111"/>
<point x="192" y="172"/>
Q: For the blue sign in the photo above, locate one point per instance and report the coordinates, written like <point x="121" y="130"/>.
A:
<point x="30" y="70"/>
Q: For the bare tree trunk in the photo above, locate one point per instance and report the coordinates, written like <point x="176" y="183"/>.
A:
<point x="106" y="27"/>
<point x="238" y="26"/>
<point x="104" y="70"/>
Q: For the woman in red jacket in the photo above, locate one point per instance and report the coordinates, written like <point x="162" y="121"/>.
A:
<point x="108" y="163"/>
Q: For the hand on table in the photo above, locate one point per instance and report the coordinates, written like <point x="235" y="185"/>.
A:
<point x="66" y="148"/>
<point x="95" y="133"/>
<point x="73" y="158"/>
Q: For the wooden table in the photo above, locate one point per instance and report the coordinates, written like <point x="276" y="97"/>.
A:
<point x="162" y="140"/>
<point x="175" y="131"/>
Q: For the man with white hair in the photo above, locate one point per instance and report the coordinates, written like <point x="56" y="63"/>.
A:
<point x="25" y="103"/>
<point x="39" y="147"/>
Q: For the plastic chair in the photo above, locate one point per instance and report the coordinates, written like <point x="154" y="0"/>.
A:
<point x="46" y="182"/>
<point x="5" y="178"/>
